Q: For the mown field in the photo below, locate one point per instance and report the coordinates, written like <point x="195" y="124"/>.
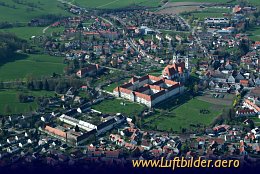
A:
<point x="14" y="12"/>
<point x="254" y="33"/>
<point x="211" y="12"/>
<point x="255" y="2"/>
<point x="203" y="13"/>
<point x="20" y="66"/>
<point x="115" y="106"/>
<point x="24" y="32"/>
<point x="189" y="112"/>
<point x="28" y="32"/>
<point x="208" y="1"/>
<point x="110" y="4"/>
<point x="9" y="99"/>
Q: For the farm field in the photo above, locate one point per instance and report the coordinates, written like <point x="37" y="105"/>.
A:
<point x="110" y="4"/>
<point x="8" y="98"/>
<point x="254" y="2"/>
<point x="24" y="32"/>
<point x="207" y="1"/>
<point x="115" y="106"/>
<point x="28" y="32"/>
<point x="175" y="118"/>
<point x="23" y="13"/>
<point x="22" y="65"/>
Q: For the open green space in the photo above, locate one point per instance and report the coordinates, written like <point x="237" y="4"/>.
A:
<point x="170" y="117"/>
<point x="14" y="12"/>
<point x="112" y="86"/>
<point x="110" y="4"/>
<point x="256" y="120"/>
<point x="9" y="99"/>
<point x="24" y="32"/>
<point x="114" y="106"/>
<point x="208" y="1"/>
<point x="28" y="32"/>
<point x="21" y="65"/>
<point x="253" y="2"/>
<point x="254" y="33"/>
<point x="210" y="12"/>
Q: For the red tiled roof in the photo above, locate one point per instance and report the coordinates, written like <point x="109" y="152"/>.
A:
<point x="56" y="131"/>
<point x="170" y="70"/>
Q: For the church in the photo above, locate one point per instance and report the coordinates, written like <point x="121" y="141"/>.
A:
<point x="178" y="70"/>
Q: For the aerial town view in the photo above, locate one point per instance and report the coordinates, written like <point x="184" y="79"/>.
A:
<point x="130" y="85"/>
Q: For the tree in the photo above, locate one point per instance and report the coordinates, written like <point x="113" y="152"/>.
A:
<point x="1" y="85"/>
<point x="134" y="119"/>
<point x="3" y="122"/>
<point x="139" y="123"/>
<point x="46" y="85"/>
<point x="30" y="108"/>
<point x="196" y="88"/>
<point x="62" y="47"/>
<point x="7" y="109"/>
<point x="77" y="128"/>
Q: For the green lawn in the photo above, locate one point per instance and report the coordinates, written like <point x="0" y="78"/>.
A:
<point x="184" y="115"/>
<point x="10" y="98"/>
<point x="20" y="66"/>
<point x="112" y="86"/>
<point x="254" y="33"/>
<point x="256" y="120"/>
<point x="114" y="106"/>
<point x="23" y="13"/>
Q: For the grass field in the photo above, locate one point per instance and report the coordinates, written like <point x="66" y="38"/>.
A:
<point x="109" y="4"/>
<point x="24" y="32"/>
<point x="210" y="12"/>
<point x="254" y="33"/>
<point x="28" y="32"/>
<point x="114" y="106"/>
<point x="23" y="13"/>
<point x="208" y="1"/>
<point x="184" y="115"/>
<point x="256" y="120"/>
<point x="254" y="2"/>
<point x="20" y="66"/>
<point x="9" y="97"/>
<point x="112" y="86"/>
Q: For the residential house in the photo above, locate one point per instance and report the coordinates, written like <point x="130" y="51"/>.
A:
<point x="90" y="70"/>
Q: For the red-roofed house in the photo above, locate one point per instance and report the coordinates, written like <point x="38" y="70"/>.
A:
<point x="90" y="70"/>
